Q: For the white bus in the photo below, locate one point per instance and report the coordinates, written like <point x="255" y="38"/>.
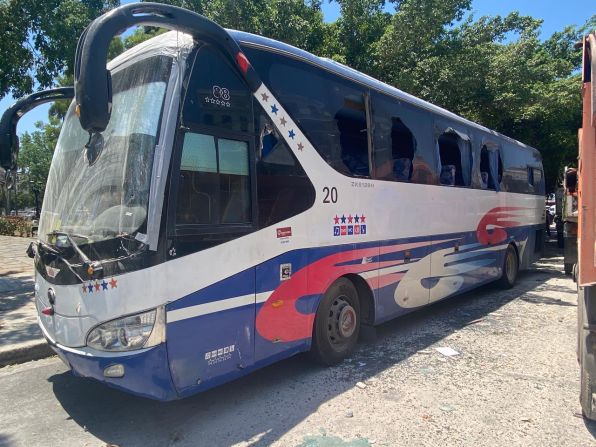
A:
<point x="218" y="201"/>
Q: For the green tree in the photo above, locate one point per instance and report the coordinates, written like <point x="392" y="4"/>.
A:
<point x="359" y="27"/>
<point x="296" y="22"/>
<point x="36" y="151"/>
<point x="38" y="39"/>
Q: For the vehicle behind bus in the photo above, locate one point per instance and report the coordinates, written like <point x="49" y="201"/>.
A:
<point x="586" y="278"/>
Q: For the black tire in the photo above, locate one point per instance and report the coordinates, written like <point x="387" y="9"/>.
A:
<point x="568" y="268"/>
<point x="510" y="269"/>
<point x="585" y="392"/>
<point x="337" y="324"/>
<point x="560" y="240"/>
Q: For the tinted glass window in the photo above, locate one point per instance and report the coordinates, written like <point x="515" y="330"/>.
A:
<point x="401" y="134"/>
<point x="216" y="94"/>
<point x="330" y="110"/>
<point x="199" y="154"/>
<point x="394" y="141"/>
<point x="214" y="185"/>
<point x="283" y="189"/>
<point x="531" y="176"/>
<point x="537" y="177"/>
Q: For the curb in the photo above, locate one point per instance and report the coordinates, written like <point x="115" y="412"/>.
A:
<point x="25" y="352"/>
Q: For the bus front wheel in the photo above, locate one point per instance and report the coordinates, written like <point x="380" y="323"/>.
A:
<point x="337" y="324"/>
<point x="510" y="268"/>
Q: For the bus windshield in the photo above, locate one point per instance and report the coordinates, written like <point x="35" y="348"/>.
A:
<point x="105" y="194"/>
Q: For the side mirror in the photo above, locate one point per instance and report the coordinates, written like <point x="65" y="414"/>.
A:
<point x="9" y="141"/>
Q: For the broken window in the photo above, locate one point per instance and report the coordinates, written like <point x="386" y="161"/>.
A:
<point x="283" y="188"/>
<point x="455" y="155"/>
<point x="401" y="133"/>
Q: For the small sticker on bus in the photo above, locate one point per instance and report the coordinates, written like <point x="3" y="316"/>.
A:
<point x="219" y="355"/>
<point x="285" y="271"/>
<point x="284" y="232"/>
<point x="356" y="225"/>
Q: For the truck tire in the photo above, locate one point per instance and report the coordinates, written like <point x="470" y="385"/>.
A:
<point x="568" y="268"/>
<point x="587" y="362"/>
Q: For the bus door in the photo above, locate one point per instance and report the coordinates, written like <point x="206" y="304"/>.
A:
<point x="213" y="199"/>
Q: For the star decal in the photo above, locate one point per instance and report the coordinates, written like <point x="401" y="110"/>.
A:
<point x="104" y="285"/>
<point x="84" y="288"/>
<point x="206" y="99"/>
<point x="350" y="218"/>
<point x="113" y="283"/>
<point x="362" y="219"/>
<point x="300" y="146"/>
<point x="97" y="286"/>
<point x="90" y="288"/>
<point x="336" y="220"/>
<point x="343" y="219"/>
<point x="356" y="218"/>
<point x="274" y="109"/>
<point x="291" y="134"/>
<point x="283" y="121"/>
<point x="265" y="97"/>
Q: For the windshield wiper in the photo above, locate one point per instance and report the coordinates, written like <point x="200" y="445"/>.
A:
<point x="52" y="250"/>
<point x="91" y="267"/>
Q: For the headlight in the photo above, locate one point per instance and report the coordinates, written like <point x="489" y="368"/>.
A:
<point x="133" y="332"/>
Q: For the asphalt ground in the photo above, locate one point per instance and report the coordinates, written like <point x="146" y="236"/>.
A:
<point x="514" y="381"/>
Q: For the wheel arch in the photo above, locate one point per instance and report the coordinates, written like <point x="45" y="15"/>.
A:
<point x="365" y="298"/>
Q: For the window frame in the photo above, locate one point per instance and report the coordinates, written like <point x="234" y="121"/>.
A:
<point x="195" y="229"/>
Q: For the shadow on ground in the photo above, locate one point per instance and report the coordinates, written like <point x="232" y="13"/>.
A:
<point x="258" y="409"/>
<point x="17" y="323"/>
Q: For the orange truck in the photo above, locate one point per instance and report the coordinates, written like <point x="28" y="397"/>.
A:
<point x="586" y="272"/>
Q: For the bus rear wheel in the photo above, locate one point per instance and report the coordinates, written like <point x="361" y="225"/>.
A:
<point x="337" y="324"/>
<point x="510" y="268"/>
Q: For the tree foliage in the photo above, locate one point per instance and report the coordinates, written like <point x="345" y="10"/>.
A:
<point x="493" y="70"/>
<point x="36" y="151"/>
<point x="38" y="40"/>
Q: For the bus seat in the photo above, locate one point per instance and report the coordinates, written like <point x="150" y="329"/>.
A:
<point x="484" y="180"/>
<point x="401" y="169"/>
<point x="448" y="175"/>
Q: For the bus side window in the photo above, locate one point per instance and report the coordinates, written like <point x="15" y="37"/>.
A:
<point x="329" y="109"/>
<point x="490" y="165"/>
<point x="530" y="176"/>
<point x="397" y="130"/>
<point x="283" y="188"/>
<point x="214" y="185"/>
<point x="536" y="180"/>
<point x="455" y="155"/>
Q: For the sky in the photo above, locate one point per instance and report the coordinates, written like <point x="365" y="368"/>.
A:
<point x="556" y="16"/>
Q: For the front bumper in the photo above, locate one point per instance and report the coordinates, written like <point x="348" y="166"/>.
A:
<point x="146" y="371"/>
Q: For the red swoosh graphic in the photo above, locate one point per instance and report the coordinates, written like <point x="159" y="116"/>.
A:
<point x="279" y="319"/>
<point x="495" y="218"/>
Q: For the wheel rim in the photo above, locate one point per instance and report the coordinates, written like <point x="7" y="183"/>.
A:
<point x="342" y="321"/>
<point x="510" y="266"/>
